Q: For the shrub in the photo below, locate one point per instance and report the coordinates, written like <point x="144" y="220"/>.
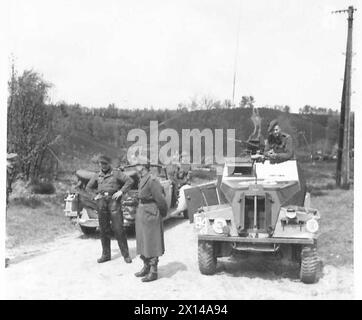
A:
<point x="43" y="188"/>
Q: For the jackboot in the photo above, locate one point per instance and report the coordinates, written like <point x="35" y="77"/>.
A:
<point x="152" y="275"/>
<point x="106" y="249"/>
<point x="127" y="259"/>
<point x="145" y="269"/>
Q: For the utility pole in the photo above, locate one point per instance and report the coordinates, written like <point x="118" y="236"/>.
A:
<point x="343" y="159"/>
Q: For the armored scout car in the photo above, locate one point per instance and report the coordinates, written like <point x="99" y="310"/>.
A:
<point x="257" y="207"/>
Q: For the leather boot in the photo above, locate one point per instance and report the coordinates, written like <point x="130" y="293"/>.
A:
<point x="127" y="259"/>
<point x="145" y="269"/>
<point x="152" y="275"/>
<point x="106" y="250"/>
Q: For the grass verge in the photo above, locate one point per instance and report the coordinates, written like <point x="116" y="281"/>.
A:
<point x="335" y="244"/>
<point x="26" y="225"/>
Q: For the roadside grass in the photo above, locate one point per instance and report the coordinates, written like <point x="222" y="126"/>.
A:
<point x="27" y="225"/>
<point x="335" y="244"/>
<point x="34" y="219"/>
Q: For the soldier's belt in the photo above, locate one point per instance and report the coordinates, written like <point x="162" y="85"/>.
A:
<point x="106" y="194"/>
<point x="145" y="201"/>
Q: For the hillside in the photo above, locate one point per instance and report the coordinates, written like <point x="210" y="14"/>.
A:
<point x="90" y="135"/>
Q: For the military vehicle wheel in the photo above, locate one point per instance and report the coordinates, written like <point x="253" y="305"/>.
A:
<point x="185" y="214"/>
<point x="309" y="265"/>
<point x="207" y="258"/>
<point x="88" y="230"/>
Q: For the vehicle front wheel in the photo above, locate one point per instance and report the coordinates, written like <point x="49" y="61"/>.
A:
<point x="207" y="258"/>
<point x="185" y="214"/>
<point x="309" y="265"/>
<point x="88" y="230"/>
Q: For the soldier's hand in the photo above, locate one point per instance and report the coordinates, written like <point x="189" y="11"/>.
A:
<point x="271" y="154"/>
<point x="117" y="195"/>
<point x="98" y="196"/>
<point x="257" y="157"/>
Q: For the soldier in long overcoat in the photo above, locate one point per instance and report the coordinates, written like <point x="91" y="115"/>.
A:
<point x="149" y="223"/>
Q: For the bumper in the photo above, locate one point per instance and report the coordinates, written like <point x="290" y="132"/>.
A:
<point x="309" y="241"/>
<point x="71" y="214"/>
<point x="91" y="223"/>
<point x="128" y="223"/>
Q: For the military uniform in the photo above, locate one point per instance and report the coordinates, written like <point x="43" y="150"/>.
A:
<point x="282" y="146"/>
<point x="10" y="173"/>
<point x="149" y="225"/>
<point x="180" y="178"/>
<point x="109" y="209"/>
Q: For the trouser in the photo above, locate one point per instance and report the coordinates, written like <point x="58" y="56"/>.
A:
<point x="174" y="193"/>
<point x="109" y="210"/>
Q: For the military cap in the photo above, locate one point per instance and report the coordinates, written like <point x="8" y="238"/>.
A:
<point x="272" y="124"/>
<point x="104" y="158"/>
<point x="143" y="161"/>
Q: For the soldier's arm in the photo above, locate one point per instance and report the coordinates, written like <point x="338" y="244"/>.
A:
<point x="288" y="154"/>
<point x="125" y="181"/>
<point x="188" y="177"/>
<point x="91" y="185"/>
<point x="267" y="146"/>
<point x="156" y="190"/>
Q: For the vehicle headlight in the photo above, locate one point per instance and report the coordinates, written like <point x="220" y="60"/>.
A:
<point x="312" y="225"/>
<point x="218" y="225"/>
<point x="291" y="213"/>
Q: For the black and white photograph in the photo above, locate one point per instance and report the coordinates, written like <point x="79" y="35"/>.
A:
<point x="181" y="150"/>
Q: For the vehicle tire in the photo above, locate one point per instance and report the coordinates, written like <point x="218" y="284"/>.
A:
<point x="309" y="265"/>
<point x="206" y="257"/>
<point x="185" y="214"/>
<point x="296" y="253"/>
<point x="88" y="230"/>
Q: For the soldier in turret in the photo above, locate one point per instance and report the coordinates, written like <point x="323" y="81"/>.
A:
<point x="279" y="145"/>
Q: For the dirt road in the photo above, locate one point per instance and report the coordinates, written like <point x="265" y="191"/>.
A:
<point x="67" y="269"/>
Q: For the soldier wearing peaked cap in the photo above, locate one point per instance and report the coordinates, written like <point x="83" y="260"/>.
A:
<point x="111" y="185"/>
<point x="279" y="145"/>
<point x="149" y="224"/>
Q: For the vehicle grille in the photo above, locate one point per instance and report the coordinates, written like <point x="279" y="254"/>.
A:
<point x="255" y="214"/>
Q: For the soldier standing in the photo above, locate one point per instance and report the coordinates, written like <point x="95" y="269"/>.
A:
<point x="180" y="177"/>
<point x="10" y="173"/>
<point x="279" y="145"/>
<point x="111" y="185"/>
<point x="149" y="225"/>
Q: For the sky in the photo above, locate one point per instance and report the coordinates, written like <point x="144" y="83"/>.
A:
<point x="161" y="53"/>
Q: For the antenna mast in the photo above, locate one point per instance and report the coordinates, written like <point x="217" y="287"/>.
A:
<point x="236" y="56"/>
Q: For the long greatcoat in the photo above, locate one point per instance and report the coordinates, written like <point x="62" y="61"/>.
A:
<point x="149" y="224"/>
